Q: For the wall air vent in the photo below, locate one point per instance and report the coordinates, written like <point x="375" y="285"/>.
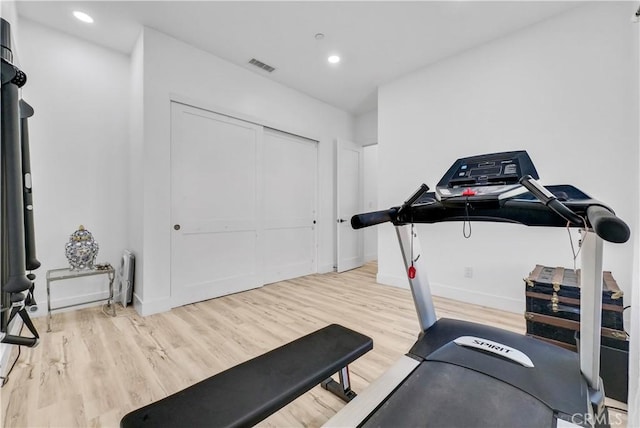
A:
<point x="261" y="65"/>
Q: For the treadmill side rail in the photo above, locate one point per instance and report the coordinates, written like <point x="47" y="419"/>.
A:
<point x="359" y="409"/>
<point x="565" y="424"/>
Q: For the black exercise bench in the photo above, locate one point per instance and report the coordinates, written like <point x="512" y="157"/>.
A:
<point x="251" y="391"/>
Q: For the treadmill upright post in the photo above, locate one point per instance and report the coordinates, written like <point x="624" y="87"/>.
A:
<point x="420" y="288"/>
<point x="591" y="307"/>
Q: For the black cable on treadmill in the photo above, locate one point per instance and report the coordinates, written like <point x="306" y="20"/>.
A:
<point x="573" y="250"/>
<point x="467" y="220"/>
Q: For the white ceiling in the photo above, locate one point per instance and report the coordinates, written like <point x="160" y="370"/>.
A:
<point x="378" y="41"/>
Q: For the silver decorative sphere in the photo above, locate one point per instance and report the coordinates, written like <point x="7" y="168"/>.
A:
<point x="81" y="250"/>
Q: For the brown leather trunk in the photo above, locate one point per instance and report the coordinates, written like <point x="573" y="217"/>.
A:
<point x="553" y="298"/>
<point x="553" y="315"/>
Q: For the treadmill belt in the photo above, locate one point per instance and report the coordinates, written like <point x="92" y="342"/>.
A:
<point x="445" y="395"/>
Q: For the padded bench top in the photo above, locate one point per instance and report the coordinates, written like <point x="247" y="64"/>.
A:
<point x="249" y="392"/>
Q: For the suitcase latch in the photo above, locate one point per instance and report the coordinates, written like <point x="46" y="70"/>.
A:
<point x="554" y="302"/>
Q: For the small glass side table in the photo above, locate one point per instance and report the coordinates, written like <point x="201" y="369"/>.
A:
<point x="66" y="273"/>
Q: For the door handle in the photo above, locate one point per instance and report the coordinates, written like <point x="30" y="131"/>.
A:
<point x="176" y="226"/>
<point x="341" y="220"/>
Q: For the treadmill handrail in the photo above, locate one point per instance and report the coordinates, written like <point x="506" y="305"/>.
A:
<point x="603" y="221"/>
<point x="528" y="212"/>
<point x="607" y="225"/>
<point x="550" y="200"/>
<point x="363" y="220"/>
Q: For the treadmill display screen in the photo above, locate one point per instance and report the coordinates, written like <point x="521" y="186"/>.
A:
<point x="479" y="172"/>
<point x="490" y="176"/>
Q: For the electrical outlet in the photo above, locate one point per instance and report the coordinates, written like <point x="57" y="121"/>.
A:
<point x="468" y="272"/>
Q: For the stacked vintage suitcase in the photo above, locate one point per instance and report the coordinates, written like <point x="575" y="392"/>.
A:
<point x="553" y="315"/>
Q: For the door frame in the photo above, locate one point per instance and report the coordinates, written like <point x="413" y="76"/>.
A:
<point x="340" y="143"/>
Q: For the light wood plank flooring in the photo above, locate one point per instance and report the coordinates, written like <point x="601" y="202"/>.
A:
<point x="93" y="369"/>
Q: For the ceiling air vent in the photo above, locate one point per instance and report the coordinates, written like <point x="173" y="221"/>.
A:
<point x="261" y="65"/>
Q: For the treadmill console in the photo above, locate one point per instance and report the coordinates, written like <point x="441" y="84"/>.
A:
<point x="486" y="177"/>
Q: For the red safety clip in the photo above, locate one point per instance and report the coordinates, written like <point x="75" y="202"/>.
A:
<point x="412" y="272"/>
<point x="469" y="192"/>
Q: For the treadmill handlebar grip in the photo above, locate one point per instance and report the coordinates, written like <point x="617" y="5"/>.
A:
<point x="549" y="199"/>
<point x="607" y="225"/>
<point x="363" y="220"/>
<point x="536" y="189"/>
<point x="418" y="193"/>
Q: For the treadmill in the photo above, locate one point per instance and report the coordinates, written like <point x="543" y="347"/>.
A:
<point x="462" y="374"/>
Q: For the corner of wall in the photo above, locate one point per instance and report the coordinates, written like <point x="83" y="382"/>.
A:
<point x="366" y="128"/>
<point x="136" y="165"/>
<point x="151" y="307"/>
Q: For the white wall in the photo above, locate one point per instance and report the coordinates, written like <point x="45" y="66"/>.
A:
<point x="565" y="90"/>
<point x="366" y="128"/>
<point x="79" y="137"/>
<point x="370" y="154"/>
<point x="176" y="70"/>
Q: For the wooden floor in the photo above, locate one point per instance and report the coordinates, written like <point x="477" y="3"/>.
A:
<point x="93" y="369"/>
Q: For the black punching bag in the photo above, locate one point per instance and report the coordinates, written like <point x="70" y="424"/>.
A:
<point x="32" y="263"/>
<point x="13" y="206"/>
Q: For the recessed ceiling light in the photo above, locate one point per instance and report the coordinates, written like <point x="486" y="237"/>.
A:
<point x="334" y="59"/>
<point x="83" y="17"/>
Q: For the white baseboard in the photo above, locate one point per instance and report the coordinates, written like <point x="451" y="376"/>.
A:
<point x="150" y="307"/>
<point x="462" y="295"/>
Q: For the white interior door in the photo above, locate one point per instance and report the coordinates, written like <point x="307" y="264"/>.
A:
<point x="215" y="197"/>
<point x="290" y="171"/>
<point x="349" y="200"/>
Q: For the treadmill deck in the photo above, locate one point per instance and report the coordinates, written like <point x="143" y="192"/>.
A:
<point x="456" y="385"/>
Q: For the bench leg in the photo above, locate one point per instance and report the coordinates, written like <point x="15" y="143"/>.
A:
<point x="342" y="389"/>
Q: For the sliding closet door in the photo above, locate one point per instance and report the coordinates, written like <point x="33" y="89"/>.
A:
<point x="243" y="205"/>
<point x="290" y="171"/>
<point x="216" y="163"/>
